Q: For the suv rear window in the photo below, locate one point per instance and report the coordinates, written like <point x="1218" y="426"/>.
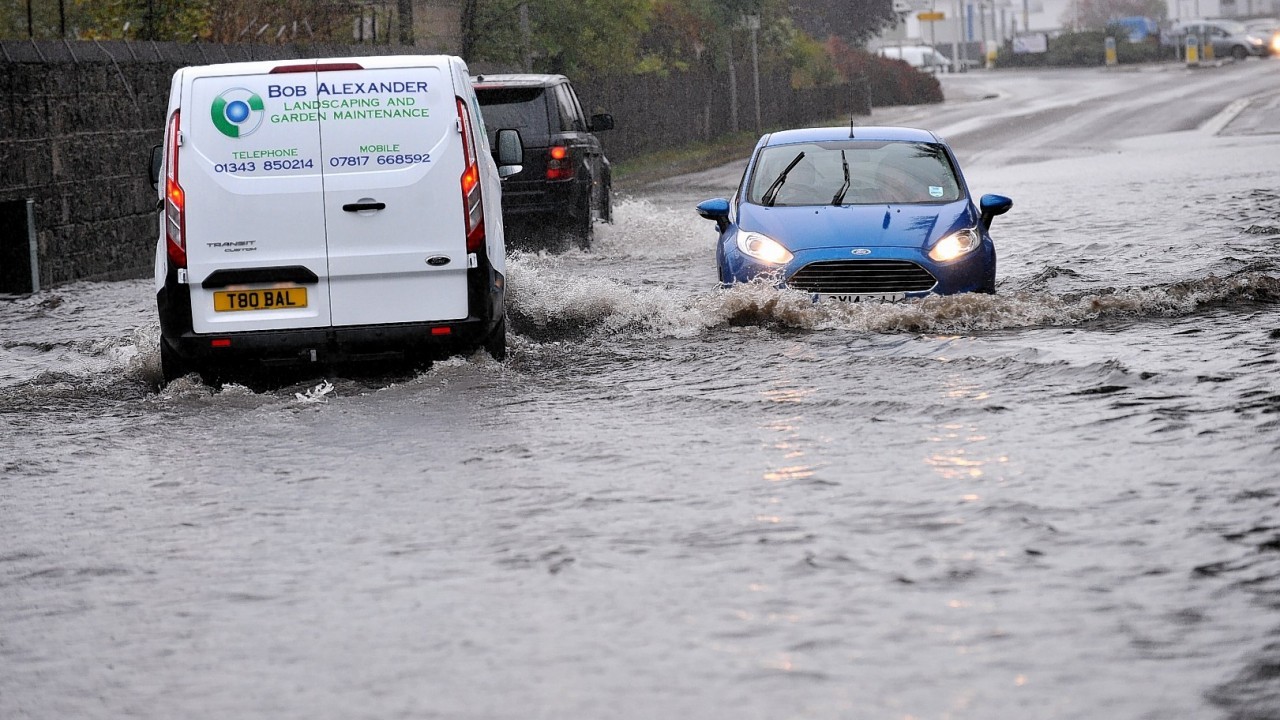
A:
<point x="523" y="109"/>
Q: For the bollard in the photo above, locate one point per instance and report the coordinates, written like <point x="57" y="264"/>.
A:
<point x="1111" y="52"/>
<point x="1193" y="51"/>
<point x="1206" y="51"/>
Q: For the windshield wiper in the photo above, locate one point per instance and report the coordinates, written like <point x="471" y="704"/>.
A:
<point x="845" y="187"/>
<point x="771" y="194"/>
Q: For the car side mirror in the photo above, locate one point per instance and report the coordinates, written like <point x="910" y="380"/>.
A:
<point x="157" y="162"/>
<point x="600" y="122"/>
<point x="717" y="210"/>
<point x="993" y="205"/>
<point x="510" y="153"/>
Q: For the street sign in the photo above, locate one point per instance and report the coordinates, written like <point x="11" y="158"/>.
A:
<point x="931" y="16"/>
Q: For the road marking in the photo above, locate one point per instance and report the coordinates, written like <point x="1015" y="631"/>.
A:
<point x="1219" y="122"/>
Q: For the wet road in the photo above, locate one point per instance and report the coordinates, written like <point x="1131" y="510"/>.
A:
<point x="677" y="501"/>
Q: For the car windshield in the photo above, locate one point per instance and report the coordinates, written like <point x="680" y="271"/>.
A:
<point x="878" y="172"/>
<point x="518" y="108"/>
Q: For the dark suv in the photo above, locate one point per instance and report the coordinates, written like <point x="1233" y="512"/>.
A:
<point x="566" y="182"/>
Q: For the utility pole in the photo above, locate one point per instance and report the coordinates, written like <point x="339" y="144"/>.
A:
<point x="733" y="88"/>
<point x="526" y="37"/>
<point x="753" y="24"/>
<point x="955" y="39"/>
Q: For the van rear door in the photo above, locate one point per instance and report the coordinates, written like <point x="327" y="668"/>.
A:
<point x="393" y="164"/>
<point x="250" y="165"/>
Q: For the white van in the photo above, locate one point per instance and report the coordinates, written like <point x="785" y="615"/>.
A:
<point x="921" y="57"/>
<point x="328" y="210"/>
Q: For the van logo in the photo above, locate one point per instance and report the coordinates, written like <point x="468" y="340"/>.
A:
<point x="860" y="251"/>
<point x="237" y="112"/>
<point x="438" y="260"/>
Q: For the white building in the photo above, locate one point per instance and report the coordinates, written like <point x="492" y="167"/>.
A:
<point x="983" y="20"/>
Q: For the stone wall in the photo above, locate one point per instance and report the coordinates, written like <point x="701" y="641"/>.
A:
<point x="77" y="123"/>
<point x="78" y="120"/>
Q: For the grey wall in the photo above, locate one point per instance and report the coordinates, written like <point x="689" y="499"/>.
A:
<point x="78" y="120"/>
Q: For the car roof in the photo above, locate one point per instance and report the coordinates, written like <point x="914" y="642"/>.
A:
<point x="1210" y="21"/>
<point x="859" y="132"/>
<point x="517" y="80"/>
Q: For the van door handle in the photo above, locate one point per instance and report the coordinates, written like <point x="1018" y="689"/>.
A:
<point x="358" y="206"/>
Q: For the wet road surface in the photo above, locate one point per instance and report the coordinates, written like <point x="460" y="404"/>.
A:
<point x="674" y="500"/>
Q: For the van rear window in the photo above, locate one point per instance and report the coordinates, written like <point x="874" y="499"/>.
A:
<point x="523" y="109"/>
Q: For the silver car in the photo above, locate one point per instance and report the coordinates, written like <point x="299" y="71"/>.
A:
<point x="1228" y="38"/>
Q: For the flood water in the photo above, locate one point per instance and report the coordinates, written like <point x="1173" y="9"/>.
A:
<point x="678" y="501"/>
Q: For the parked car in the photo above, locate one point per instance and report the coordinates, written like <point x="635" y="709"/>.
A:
<point x="1269" y="30"/>
<point x="869" y="215"/>
<point x="921" y="57"/>
<point x="327" y="210"/>
<point x="566" y="183"/>
<point x="1228" y="38"/>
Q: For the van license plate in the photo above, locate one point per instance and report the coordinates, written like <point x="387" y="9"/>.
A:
<point x="271" y="299"/>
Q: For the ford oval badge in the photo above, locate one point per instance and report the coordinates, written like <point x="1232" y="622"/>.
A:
<point x="860" y="251"/>
<point x="438" y="260"/>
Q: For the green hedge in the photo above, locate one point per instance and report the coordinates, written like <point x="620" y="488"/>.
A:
<point x="1084" y="49"/>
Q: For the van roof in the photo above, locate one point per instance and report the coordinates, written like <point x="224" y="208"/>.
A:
<point x="370" y="61"/>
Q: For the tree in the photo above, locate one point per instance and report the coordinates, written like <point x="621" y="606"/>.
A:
<point x="1097" y="14"/>
<point x="854" y="21"/>
<point x="224" y="21"/>
<point x="404" y="20"/>
<point x="570" y="36"/>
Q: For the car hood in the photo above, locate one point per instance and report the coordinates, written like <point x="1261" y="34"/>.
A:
<point x="813" y="227"/>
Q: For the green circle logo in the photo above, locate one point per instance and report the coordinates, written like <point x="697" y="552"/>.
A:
<point x="237" y="112"/>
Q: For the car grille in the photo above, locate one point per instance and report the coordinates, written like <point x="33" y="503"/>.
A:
<point x="861" y="277"/>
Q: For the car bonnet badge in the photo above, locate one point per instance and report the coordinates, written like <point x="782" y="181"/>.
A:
<point x="860" y="251"/>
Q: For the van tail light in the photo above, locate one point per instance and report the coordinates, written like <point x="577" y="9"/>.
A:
<point x="559" y="163"/>
<point x="472" y="202"/>
<point x="175" y="213"/>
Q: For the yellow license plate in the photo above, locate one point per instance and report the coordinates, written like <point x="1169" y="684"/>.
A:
<point x="271" y="299"/>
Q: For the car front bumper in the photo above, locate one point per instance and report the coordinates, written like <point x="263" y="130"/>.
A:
<point x="974" y="272"/>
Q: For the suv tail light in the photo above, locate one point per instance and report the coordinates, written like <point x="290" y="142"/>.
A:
<point x="175" y="213"/>
<point x="559" y="163"/>
<point x="472" y="201"/>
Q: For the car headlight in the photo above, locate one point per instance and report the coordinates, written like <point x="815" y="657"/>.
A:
<point x="763" y="247"/>
<point x="955" y="245"/>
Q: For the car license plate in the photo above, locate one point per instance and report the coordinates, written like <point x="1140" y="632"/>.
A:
<point x="876" y="298"/>
<point x="269" y="299"/>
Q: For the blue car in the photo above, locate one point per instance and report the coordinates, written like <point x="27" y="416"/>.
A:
<point x="856" y="214"/>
